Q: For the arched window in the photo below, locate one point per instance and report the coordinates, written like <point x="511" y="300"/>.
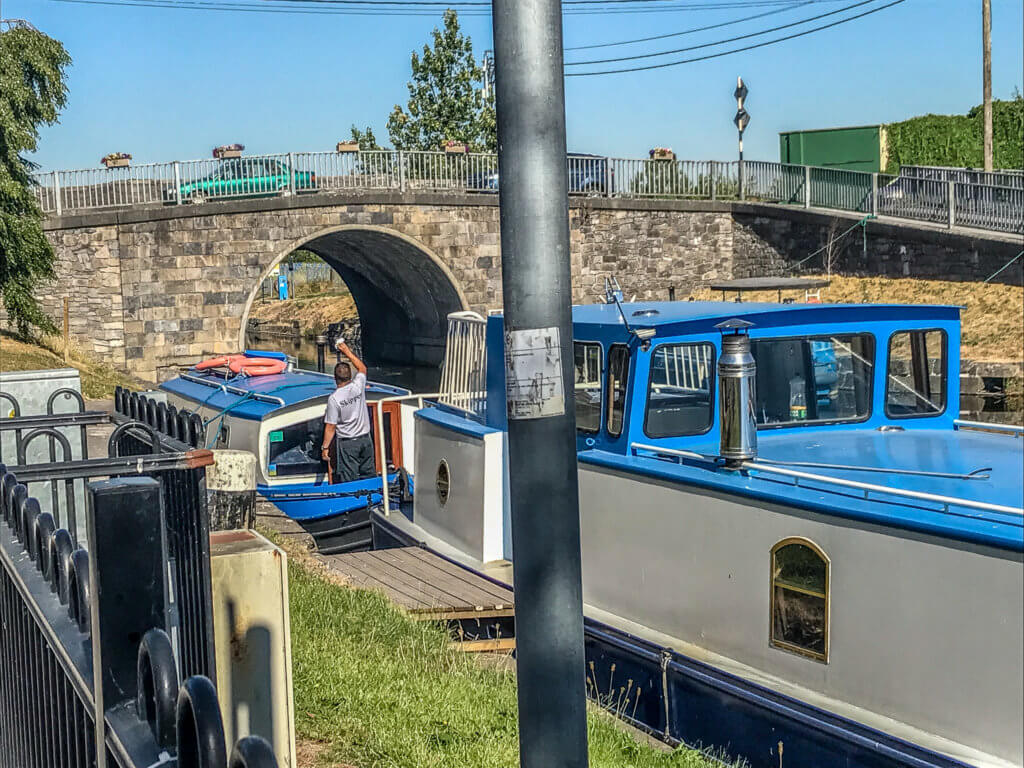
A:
<point x="800" y="598"/>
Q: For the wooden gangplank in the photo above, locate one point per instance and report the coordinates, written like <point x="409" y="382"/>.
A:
<point x="430" y="588"/>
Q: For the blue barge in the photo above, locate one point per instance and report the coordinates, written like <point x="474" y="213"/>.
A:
<point x="279" y="417"/>
<point x="851" y="592"/>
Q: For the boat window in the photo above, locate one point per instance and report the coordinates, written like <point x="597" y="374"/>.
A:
<point x="618" y="371"/>
<point x="916" y="380"/>
<point x="295" y="449"/>
<point x="680" y="395"/>
<point x="799" y="598"/>
<point x="587" y="392"/>
<point x="813" y="379"/>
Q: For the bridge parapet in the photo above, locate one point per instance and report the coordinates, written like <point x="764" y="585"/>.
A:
<point x="993" y="202"/>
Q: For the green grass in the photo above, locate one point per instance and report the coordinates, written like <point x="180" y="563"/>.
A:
<point x="379" y="689"/>
<point x="98" y="380"/>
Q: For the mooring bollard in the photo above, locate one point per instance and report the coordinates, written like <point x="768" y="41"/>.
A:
<point x="231" y="490"/>
<point x="321" y="353"/>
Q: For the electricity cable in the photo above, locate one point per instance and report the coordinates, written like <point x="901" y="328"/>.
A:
<point x="409" y="9"/>
<point x="722" y="42"/>
<point x="736" y="50"/>
<point x="693" y="29"/>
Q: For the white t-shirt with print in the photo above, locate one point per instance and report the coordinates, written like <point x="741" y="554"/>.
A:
<point x="346" y="409"/>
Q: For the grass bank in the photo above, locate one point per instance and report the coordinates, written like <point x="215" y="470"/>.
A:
<point x="98" y="380"/>
<point x="992" y="319"/>
<point x="314" y="313"/>
<point x="375" y="688"/>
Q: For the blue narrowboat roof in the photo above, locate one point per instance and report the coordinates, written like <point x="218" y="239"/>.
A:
<point x="291" y="388"/>
<point x="670" y="317"/>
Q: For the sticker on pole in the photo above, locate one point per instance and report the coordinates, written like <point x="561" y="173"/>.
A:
<point x="533" y="374"/>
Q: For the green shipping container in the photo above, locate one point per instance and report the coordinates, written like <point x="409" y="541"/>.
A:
<point x="861" y="148"/>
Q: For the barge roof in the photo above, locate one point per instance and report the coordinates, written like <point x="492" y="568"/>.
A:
<point x="256" y="397"/>
<point x="670" y="317"/>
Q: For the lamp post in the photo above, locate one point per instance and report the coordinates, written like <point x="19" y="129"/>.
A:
<point x="741" y="120"/>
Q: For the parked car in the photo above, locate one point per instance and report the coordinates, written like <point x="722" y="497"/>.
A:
<point x="587" y="174"/>
<point x="241" y="177"/>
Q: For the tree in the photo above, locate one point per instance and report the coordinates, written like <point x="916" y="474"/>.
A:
<point x="365" y="139"/>
<point x="32" y="92"/>
<point x="446" y="100"/>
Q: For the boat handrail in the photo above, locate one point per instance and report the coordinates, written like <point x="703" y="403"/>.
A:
<point x="1013" y="429"/>
<point x="227" y="388"/>
<point x="865" y="488"/>
<point x="382" y="442"/>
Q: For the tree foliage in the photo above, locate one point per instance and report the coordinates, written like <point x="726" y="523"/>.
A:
<point x="32" y="92"/>
<point x="365" y="139"/>
<point x="956" y="140"/>
<point x="446" y="99"/>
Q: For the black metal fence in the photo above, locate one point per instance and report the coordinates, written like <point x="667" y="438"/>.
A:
<point x="95" y="635"/>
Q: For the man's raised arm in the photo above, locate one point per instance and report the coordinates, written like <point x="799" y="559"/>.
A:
<point x="360" y="366"/>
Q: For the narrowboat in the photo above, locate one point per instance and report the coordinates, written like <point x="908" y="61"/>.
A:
<point x="793" y="550"/>
<point x="275" y="410"/>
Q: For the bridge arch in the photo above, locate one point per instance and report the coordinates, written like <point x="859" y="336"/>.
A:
<point x="403" y="292"/>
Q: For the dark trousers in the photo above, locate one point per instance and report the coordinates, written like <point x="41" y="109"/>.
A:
<point x="353" y="458"/>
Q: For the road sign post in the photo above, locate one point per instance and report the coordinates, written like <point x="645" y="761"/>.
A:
<point x="741" y="120"/>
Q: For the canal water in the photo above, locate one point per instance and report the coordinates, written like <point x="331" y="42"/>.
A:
<point x="416" y="378"/>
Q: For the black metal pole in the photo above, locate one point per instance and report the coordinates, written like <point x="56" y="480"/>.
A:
<point x="742" y="192"/>
<point x="537" y="297"/>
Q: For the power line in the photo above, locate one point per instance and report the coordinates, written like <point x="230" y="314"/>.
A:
<point x="183" y="5"/>
<point x="736" y="50"/>
<point x="694" y="29"/>
<point x="428" y="8"/>
<point x="705" y="5"/>
<point x="720" y="42"/>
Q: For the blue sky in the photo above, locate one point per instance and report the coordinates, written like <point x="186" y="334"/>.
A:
<point x="168" y="84"/>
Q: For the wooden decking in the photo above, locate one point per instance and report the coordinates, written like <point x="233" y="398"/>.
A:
<point x="432" y="588"/>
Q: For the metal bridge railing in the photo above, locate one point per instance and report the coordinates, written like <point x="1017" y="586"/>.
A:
<point x="89" y="675"/>
<point x="950" y="196"/>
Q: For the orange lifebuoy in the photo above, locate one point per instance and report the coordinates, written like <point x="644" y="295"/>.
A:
<point x="257" y="366"/>
<point x="217" y="362"/>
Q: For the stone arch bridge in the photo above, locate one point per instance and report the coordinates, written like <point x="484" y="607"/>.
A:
<point x="153" y="289"/>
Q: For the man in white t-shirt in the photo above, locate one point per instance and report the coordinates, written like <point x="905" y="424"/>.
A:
<point x="347" y="445"/>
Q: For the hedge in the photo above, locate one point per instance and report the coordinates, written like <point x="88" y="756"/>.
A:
<point x="956" y="140"/>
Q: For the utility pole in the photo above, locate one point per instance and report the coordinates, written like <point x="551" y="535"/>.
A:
<point x="539" y="381"/>
<point x="986" y="65"/>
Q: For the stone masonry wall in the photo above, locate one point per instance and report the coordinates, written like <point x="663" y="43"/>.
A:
<point x="88" y="269"/>
<point x="772" y="245"/>
<point x="186" y="281"/>
<point x="648" y="254"/>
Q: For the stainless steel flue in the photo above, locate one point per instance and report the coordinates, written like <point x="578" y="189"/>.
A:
<point x="736" y="394"/>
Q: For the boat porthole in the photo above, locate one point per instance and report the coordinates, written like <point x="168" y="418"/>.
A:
<point x="443" y="482"/>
